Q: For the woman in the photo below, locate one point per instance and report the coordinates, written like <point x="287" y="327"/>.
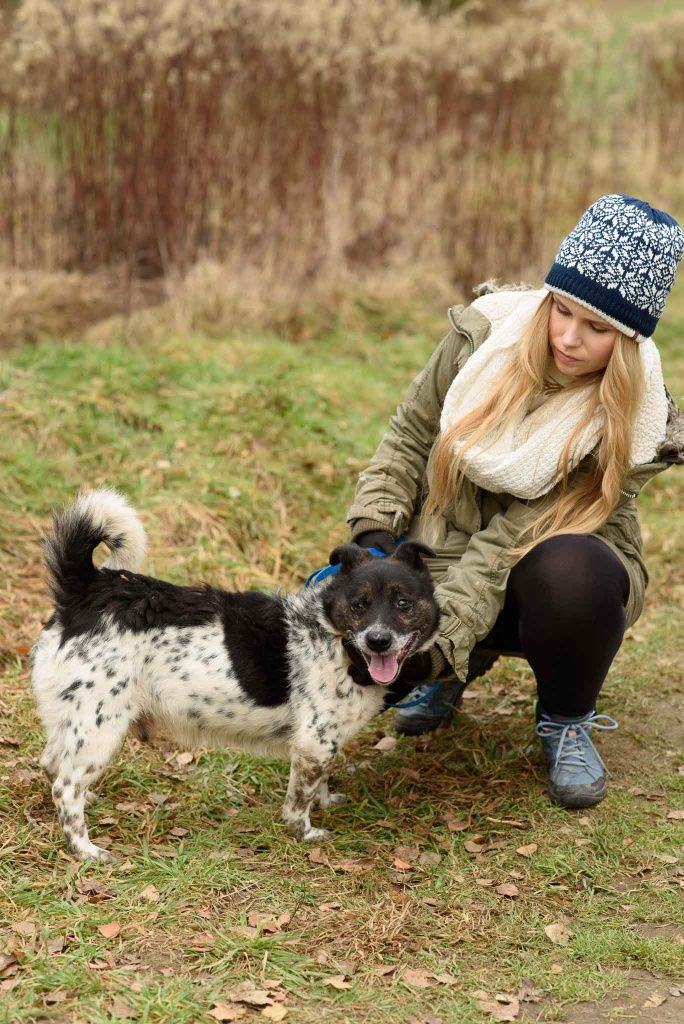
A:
<point x="517" y="454"/>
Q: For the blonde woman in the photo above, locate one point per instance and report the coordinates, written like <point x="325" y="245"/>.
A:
<point x="518" y="454"/>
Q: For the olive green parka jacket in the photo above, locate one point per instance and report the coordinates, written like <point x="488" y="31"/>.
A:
<point x="471" y="563"/>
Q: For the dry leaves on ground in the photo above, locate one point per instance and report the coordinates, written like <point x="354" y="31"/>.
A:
<point x="558" y="933"/>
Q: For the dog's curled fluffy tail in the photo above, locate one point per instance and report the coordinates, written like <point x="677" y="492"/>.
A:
<point x="95" y="517"/>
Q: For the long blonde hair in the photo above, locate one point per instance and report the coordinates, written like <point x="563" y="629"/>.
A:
<point x="582" y="506"/>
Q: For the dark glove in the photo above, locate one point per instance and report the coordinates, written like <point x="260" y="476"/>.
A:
<point x="380" y="539"/>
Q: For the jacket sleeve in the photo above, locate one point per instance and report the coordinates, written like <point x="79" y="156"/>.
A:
<point x="389" y="490"/>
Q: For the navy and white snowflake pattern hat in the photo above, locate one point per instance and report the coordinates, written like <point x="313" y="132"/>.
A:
<point x="620" y="261"/>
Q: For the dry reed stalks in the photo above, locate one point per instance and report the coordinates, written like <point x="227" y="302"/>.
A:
<point x="296" y="138"/>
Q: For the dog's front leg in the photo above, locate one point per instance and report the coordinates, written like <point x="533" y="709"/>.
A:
<point x="308" y="770"/>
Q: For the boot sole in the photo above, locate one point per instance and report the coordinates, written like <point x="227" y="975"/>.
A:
<point x="563" y="798"/>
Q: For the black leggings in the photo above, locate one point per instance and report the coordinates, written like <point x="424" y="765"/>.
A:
<point x="565" y="612"/>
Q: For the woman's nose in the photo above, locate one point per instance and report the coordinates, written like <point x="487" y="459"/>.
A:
<point x="571" y="337"/>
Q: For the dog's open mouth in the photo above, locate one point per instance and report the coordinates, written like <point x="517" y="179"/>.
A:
<point x="384" y="668"/>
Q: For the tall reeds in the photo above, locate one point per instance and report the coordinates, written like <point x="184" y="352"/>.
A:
<point x="289" y="136"/>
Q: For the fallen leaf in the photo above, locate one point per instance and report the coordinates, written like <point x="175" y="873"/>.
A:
<point x="655" y="999"/>
<point x="408" y="853"/>
<point x="675" y="990"/>
<point x="484" y="881"/>
<point x="24" y="927"/>
<point x="386" y="743"/>
<point x="277" y="1012"/>
<point x="109" y="931"/>
<point x="58" y="996"/>
<point x="227" y="1011"/>
<point x="355" y="866"/>
<point x="429" y="858"/>
<point x="8" y="964"/>
<point x="474" y="847"/>
<point x="500" y="1008"/>
<point x="401" y="865"/>
<point x="318" y="857"/>
<point x="177" y="831"/>
<point x="55" y="945"/>
<point x="527" y="851"/>
<point x="418" y="978"/>
<point x="118" y="1008"/>
<point x="455" y="824"/>
<point x="247" y="993"/>
<point x="558" y="933"/>
<point x="150" y="893"/>
<point x="337" y="981"/>
<point x="9" y="741"/>
<point x="507" y="889"/>
<point x="676" y="815"/>
<point x="445" y="979"/>
<point x="185" y="758"/>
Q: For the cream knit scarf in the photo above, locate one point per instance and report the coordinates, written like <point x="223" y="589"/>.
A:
<point x="524" y="459"/>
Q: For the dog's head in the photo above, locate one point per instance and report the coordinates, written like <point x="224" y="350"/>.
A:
<point x="385" y="607"/>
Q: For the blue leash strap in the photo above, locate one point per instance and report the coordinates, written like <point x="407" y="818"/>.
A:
<point x="318" y="575"/>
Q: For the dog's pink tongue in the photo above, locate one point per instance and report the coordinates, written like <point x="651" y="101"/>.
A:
<point x="383" y="667"/>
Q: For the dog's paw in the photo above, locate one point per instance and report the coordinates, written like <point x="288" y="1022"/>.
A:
<point x="95" y="853"/>
<point x="90" y="797"/>
<point x="317" y="835"/>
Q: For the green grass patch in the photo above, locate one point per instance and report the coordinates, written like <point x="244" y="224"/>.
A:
<point x="241" y="454"/>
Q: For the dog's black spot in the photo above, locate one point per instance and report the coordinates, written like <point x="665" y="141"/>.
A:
<point x="89" y="684"/>
<point x="68" y="693"/>
<point x="194" y="714"/>
<point x="99" y="720"/>
<point x="111" y="672"/>
<point x="255" y="634"/>
<point x="79" y="745"/>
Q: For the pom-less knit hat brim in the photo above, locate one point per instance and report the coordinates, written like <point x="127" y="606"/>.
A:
<point x="620" y="261"/>
<point x="561" y="281"/>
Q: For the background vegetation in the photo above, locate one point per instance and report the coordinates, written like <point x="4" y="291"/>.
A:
<point x="307" y="187"/>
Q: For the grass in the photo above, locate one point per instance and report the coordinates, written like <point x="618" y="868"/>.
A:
<point x="241" y="454"/>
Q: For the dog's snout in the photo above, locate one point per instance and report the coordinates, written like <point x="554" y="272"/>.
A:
<point x="379" y="640"/>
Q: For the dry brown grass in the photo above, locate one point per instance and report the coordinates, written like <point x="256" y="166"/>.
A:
<point x="290" y="137"/>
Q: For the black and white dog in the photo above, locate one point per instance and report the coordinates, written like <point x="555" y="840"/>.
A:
<point x="269" y="674"/>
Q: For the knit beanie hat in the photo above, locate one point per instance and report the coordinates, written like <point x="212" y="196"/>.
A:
<point x="620" y="261"/>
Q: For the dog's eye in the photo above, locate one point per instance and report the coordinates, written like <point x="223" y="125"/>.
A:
<point x="358" y="606"/>
<point x="404" y="605"/>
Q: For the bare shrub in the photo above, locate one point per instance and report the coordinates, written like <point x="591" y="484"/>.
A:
<point x="292" y="137"/>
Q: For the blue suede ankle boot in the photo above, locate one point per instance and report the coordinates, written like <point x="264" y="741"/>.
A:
<point x="439" y="708"/>
<point x="577" y="775"/>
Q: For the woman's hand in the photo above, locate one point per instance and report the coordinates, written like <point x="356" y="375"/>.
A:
<point x="380" y="539"/>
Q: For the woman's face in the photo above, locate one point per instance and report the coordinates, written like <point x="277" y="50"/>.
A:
<point x="580" y="341"/>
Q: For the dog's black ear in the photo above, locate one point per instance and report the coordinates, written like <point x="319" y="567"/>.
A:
<point x="349" y="556"/>
<point x="412" y="552"/>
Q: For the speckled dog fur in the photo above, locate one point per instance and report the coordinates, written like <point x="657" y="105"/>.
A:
<point x="268" y="674"/>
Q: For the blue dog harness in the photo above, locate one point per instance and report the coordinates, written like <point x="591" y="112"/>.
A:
<point x="332" y="570"/>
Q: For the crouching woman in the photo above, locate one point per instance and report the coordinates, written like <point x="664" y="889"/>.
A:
<point x="517" y="454"/>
